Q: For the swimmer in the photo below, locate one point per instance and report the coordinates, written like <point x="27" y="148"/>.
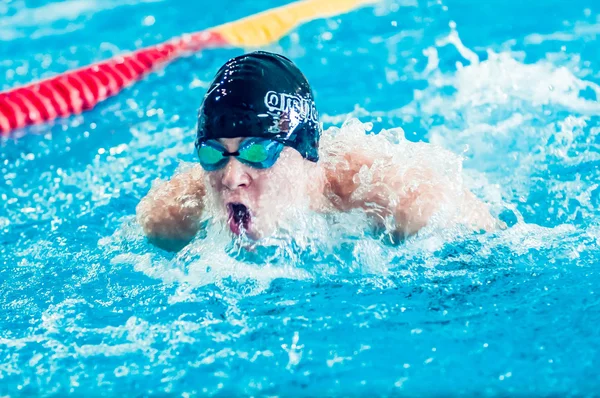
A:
<point x="257" y="144"/>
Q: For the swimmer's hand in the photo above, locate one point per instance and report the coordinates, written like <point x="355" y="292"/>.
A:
<point x="410" y="199"/>
<point x="170" y="213"/>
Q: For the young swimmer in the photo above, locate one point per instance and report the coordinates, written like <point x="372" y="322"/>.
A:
<point x="258" y="148"/>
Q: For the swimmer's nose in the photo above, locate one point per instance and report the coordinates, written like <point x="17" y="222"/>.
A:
<point x="235" y="175"/>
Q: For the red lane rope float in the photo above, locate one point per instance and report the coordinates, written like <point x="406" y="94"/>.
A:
<point x="81" y="89"/>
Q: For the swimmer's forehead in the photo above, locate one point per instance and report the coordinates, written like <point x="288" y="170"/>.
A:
<point x="235" y="140"/>
<point x="231" y="143"/>
<point x="224" y="140"/>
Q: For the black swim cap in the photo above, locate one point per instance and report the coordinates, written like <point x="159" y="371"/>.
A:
<point x="261" y="95"/>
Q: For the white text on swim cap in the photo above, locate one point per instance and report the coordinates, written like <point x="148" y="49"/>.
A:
<point x="286" y="103"/>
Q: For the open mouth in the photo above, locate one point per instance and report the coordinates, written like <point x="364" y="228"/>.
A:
<point x="239" y="217"/>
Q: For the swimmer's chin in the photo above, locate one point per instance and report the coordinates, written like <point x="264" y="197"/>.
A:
<point x="250" y="233"/>
<point x="254" y="230"/>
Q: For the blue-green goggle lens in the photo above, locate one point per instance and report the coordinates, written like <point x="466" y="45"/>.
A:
<point x="255" y="152"/>
<point x="211" y="157"/>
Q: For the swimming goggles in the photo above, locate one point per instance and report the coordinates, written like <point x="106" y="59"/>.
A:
<point x="259" y="153"/>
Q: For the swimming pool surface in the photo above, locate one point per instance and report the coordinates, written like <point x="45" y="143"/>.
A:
<point x="89" y="308"/>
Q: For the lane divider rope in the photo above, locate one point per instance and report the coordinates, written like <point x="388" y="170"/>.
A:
<point x="79" y="90"/>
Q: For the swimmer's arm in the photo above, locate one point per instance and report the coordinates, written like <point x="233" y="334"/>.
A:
<point x="417" y="203"/>
<point x="411" y="198"/>
<point x="170" y="212"/>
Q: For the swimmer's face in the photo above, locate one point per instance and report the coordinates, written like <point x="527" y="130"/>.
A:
<point x="256" y="201"/>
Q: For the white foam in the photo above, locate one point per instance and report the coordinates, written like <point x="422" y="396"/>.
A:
<point x="453" y="39"/>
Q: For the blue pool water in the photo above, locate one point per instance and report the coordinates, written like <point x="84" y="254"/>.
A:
<point x="89" y="308"/>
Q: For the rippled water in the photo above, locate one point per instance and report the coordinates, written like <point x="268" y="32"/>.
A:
<point x="88" y="307"/>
